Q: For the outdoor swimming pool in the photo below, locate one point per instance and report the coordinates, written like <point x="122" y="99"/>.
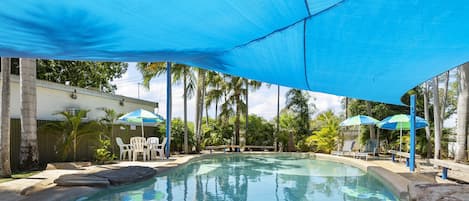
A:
<point x="242" y="177"/>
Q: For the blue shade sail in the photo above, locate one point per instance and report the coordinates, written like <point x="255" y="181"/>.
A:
<point x="368" y="49"/>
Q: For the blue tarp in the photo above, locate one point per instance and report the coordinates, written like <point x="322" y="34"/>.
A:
<point x="368" y="49"/>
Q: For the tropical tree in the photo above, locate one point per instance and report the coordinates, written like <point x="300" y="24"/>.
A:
<point x="278" y="118"/>
<point x="234" y="103"/>
<point x="253" y="85"/>
<point x="260" y="131"/>
<point x="325" y="139"/>
<point x="199" y="105"/>
<point x="215" y="85"/>
<point x="216" y="134"/>
<point x="298" y="102"/>
<point x="436" y="117"/>
<point x="288" y="128"/>
<point x="5" y="169"/>
<point x="177" y="134"/>
<point x="179" y="72"/>
<point x="426" y="109"/>
<point x="29" y="153"/>
<point x="107" y="122"/>
<point x="84" y="74"/>
<point x="72" y="131"/>
<point x="462" y="128"/>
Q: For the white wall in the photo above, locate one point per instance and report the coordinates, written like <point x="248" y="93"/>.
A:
<point x="53" y="98"/>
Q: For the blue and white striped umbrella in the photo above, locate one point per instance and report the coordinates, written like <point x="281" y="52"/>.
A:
<point x="359" y="120"/>
<point x="141" y="116"/>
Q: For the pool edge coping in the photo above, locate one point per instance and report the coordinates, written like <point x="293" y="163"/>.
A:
<point x="397" y="183"/>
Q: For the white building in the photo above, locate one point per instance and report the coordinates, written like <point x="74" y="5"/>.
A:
<point x="53" y="97"/>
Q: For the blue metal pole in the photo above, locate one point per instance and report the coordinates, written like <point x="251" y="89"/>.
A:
<point x="412" y="133"/>
<point x="168" y="108"/>
<point x="444" y="174"/>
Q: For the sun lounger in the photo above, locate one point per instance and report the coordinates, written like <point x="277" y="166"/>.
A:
<point x="346" y="149"/>
<point x="370" y="150"/>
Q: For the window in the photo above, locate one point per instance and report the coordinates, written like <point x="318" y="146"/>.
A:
<point x="74" y="111"/>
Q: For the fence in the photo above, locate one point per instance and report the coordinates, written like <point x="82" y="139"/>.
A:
<point x="47" y="143"/>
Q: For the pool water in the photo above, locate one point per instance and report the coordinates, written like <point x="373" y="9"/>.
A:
<point x="243" y="177"/>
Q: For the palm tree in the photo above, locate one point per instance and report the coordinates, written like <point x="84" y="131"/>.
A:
<point x="236" y="92"/>
<point x="215" y="83"/>
<point x="278" y="118"/>
<point x="5" y="169"/>
<point x="255" y="85"/>
<point x="178" y="72"/>
<point x="73" y="131"/>
<point x="462" y="127"/>
<point x="436" y="116"/>
<point x="108" y="122"/>
<point x="427" y="117"/>
<point x="199" y="105"/>
<point x="29" y="153"/>
<point x="288" y="127"/>
<point x="297" y="102"/>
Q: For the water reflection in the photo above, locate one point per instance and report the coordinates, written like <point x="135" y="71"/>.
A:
<point x="263" y="177"/>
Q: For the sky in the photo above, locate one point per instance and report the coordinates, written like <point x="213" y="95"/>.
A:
<point x="262" y="102"/>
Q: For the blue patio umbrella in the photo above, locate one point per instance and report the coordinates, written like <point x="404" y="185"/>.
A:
<point x="359" y="120"/>
<point x="401" y="122"/>
<point x="142" y="116"/>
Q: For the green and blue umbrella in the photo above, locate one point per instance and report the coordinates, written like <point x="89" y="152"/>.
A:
<point x="359" y="120"/>
<point x="401" y="122"/>
<point x="141" y="116"/>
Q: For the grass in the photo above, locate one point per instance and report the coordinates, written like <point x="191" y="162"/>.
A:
<point x="19" y="175"/>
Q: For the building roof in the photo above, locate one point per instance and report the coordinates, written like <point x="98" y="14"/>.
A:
<point x="91" y="92"/>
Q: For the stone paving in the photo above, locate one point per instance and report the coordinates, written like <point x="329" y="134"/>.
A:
<point x="42" y="185"/>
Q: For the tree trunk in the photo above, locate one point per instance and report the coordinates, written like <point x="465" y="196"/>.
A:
<point x="216" y="110"/>
<point x="444" y="100"/>
<point x="5" y="169"/>
<point x="278" y="118"/>
<point x="462" y="128"/>
<point x="428" y="135"/>
<point x="346" y="108"/>
<point x="436" y="118"/>
<point x="199" y="106"/>
<point x="186" y="143"/>
<point x="237" y="121"/>
<point x="372" y="127"/>
<point x="247" y="110"/>
<point x="29" y="154"/>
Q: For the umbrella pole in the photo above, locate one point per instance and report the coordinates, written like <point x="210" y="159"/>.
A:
<point x="143" y="135"/>
<point x="400" y="141"/>
<point x="377" y="143"/>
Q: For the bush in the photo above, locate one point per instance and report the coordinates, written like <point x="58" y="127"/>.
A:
<point x="102" y="153"/>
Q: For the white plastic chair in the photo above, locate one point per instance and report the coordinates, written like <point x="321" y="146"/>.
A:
<point x="139" y="145"/>
<point x="160" y="148"/>
<point x="125" y="149"/>
<point x="152" y="144"/>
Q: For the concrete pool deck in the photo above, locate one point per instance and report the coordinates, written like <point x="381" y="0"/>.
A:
<point x="42" y="187"/>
